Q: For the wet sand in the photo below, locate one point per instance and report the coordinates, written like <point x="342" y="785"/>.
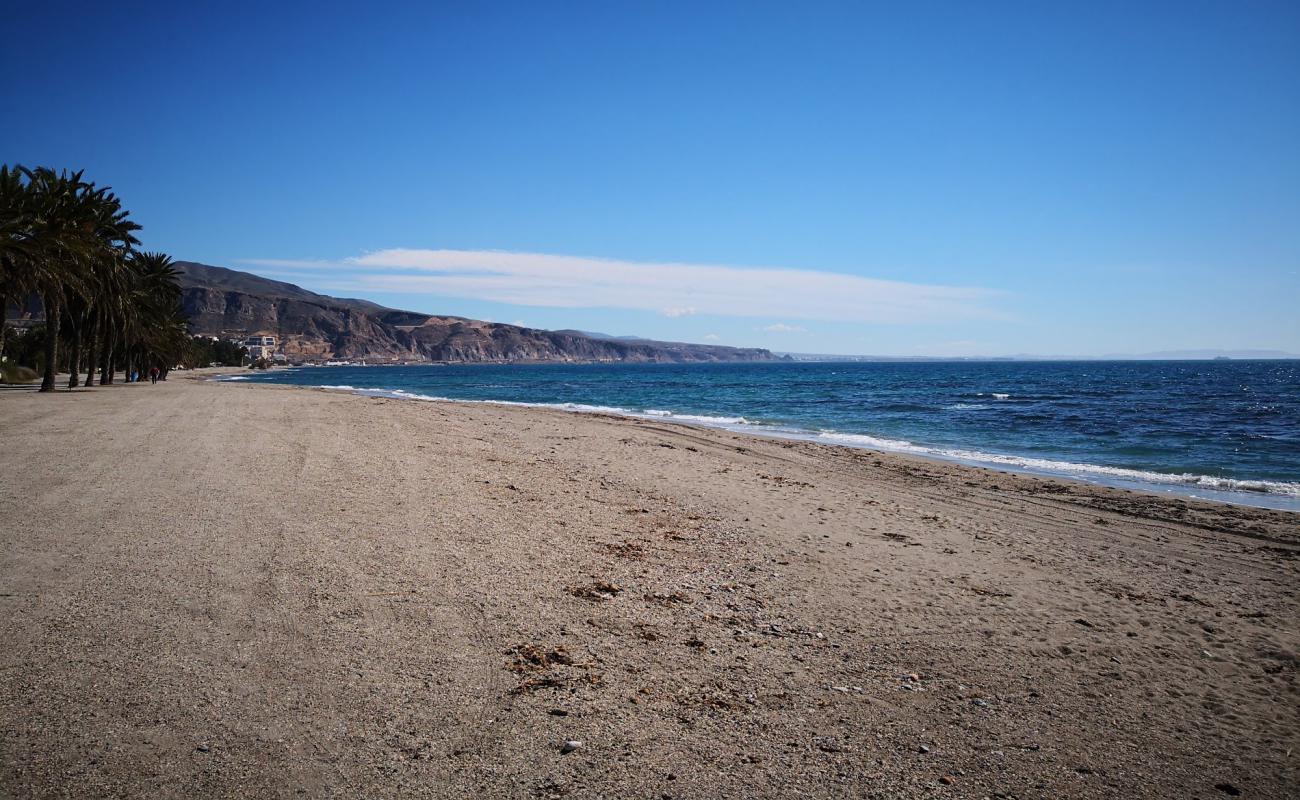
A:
<point x="247" y="591"/>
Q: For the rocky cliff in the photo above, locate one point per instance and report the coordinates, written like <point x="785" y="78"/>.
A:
<point x="223" y="302"/>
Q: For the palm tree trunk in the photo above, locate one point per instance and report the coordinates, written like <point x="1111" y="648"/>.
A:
<point x="92" y="331"/>
<point x="52" y="318"/>
<point x="4" y="315"/>
<point x="106" y="364"/>
<point x="74" y="356"/>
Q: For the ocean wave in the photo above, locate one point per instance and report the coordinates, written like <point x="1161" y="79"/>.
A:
<point x="1068" y="468"/>
<point x="405" y="395"/>
<point x="703" y="419"/>
<point x="402" y="394"/>
<point x="580" y="407"/>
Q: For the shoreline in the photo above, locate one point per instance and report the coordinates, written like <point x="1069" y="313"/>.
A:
<point x="1185" y="486"/>
<point x="272" y="591"/>
<point x="1065" y="485"/>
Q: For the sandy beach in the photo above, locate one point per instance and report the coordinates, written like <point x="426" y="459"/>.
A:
<point x="224" y="590"/>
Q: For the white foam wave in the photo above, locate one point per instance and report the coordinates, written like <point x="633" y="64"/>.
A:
<point x="405" y="395"/>
<point x="1068" y="468"/>
<point x="703" y="419"/>
<point x="402" y="394"/>
<point x="582" y="407"/>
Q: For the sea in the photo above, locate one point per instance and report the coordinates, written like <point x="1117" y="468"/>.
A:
<point x="1216" y="430"/>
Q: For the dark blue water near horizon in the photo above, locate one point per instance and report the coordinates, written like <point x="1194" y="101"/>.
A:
<point x="1224" y="430"/>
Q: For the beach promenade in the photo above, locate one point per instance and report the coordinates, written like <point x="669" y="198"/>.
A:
<point x="223" y="590"/>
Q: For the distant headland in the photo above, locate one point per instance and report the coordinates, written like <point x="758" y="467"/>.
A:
<point x="315" y="328"/>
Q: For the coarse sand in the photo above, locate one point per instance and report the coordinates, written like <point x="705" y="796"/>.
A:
<point x="229" y="590"/>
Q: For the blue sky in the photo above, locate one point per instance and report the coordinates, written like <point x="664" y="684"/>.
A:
<point x="914" y="178"/>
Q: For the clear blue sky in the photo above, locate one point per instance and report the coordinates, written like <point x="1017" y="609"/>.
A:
<point x="1081" y="178"/>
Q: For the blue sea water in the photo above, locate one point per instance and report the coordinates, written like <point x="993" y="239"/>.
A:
<point x="1222" y="430"/>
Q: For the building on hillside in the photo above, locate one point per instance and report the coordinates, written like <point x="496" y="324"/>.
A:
<point x="260" y="347"/>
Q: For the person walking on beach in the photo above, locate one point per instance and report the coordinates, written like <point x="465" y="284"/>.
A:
<point x="153" y="375"/>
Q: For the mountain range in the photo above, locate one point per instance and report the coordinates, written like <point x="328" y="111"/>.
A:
<point x="315" y="327"/>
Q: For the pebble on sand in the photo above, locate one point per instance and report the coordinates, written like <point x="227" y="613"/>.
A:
<point x="570" y="745"/>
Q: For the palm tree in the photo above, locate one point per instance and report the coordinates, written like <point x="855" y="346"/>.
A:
<point x="15" y="240"/>
<point x="150" y="313"/>
<point x="60" y="208"/>
<point x="111" y="315"/>
<point x="72" y="243"/>
<point x="111" y="243"/>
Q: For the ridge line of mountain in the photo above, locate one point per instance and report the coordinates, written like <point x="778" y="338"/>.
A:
<point x="312" y="327"/>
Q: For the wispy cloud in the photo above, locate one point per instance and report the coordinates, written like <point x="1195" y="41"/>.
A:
<point x="781" y="327"/>
<point x="672" y="289"/>
<point x="711" y="337"/>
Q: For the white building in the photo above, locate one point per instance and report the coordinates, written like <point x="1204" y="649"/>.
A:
<point x="260" y="347"/>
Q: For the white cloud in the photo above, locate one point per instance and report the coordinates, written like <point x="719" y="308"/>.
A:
<point x="781" y="327"/>
<point x="711" y="337"/>
<point x="674" y="289"/>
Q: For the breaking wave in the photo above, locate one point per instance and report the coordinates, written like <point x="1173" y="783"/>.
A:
<point x="1066" y="468"/>
<point x="702" y="419"/>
